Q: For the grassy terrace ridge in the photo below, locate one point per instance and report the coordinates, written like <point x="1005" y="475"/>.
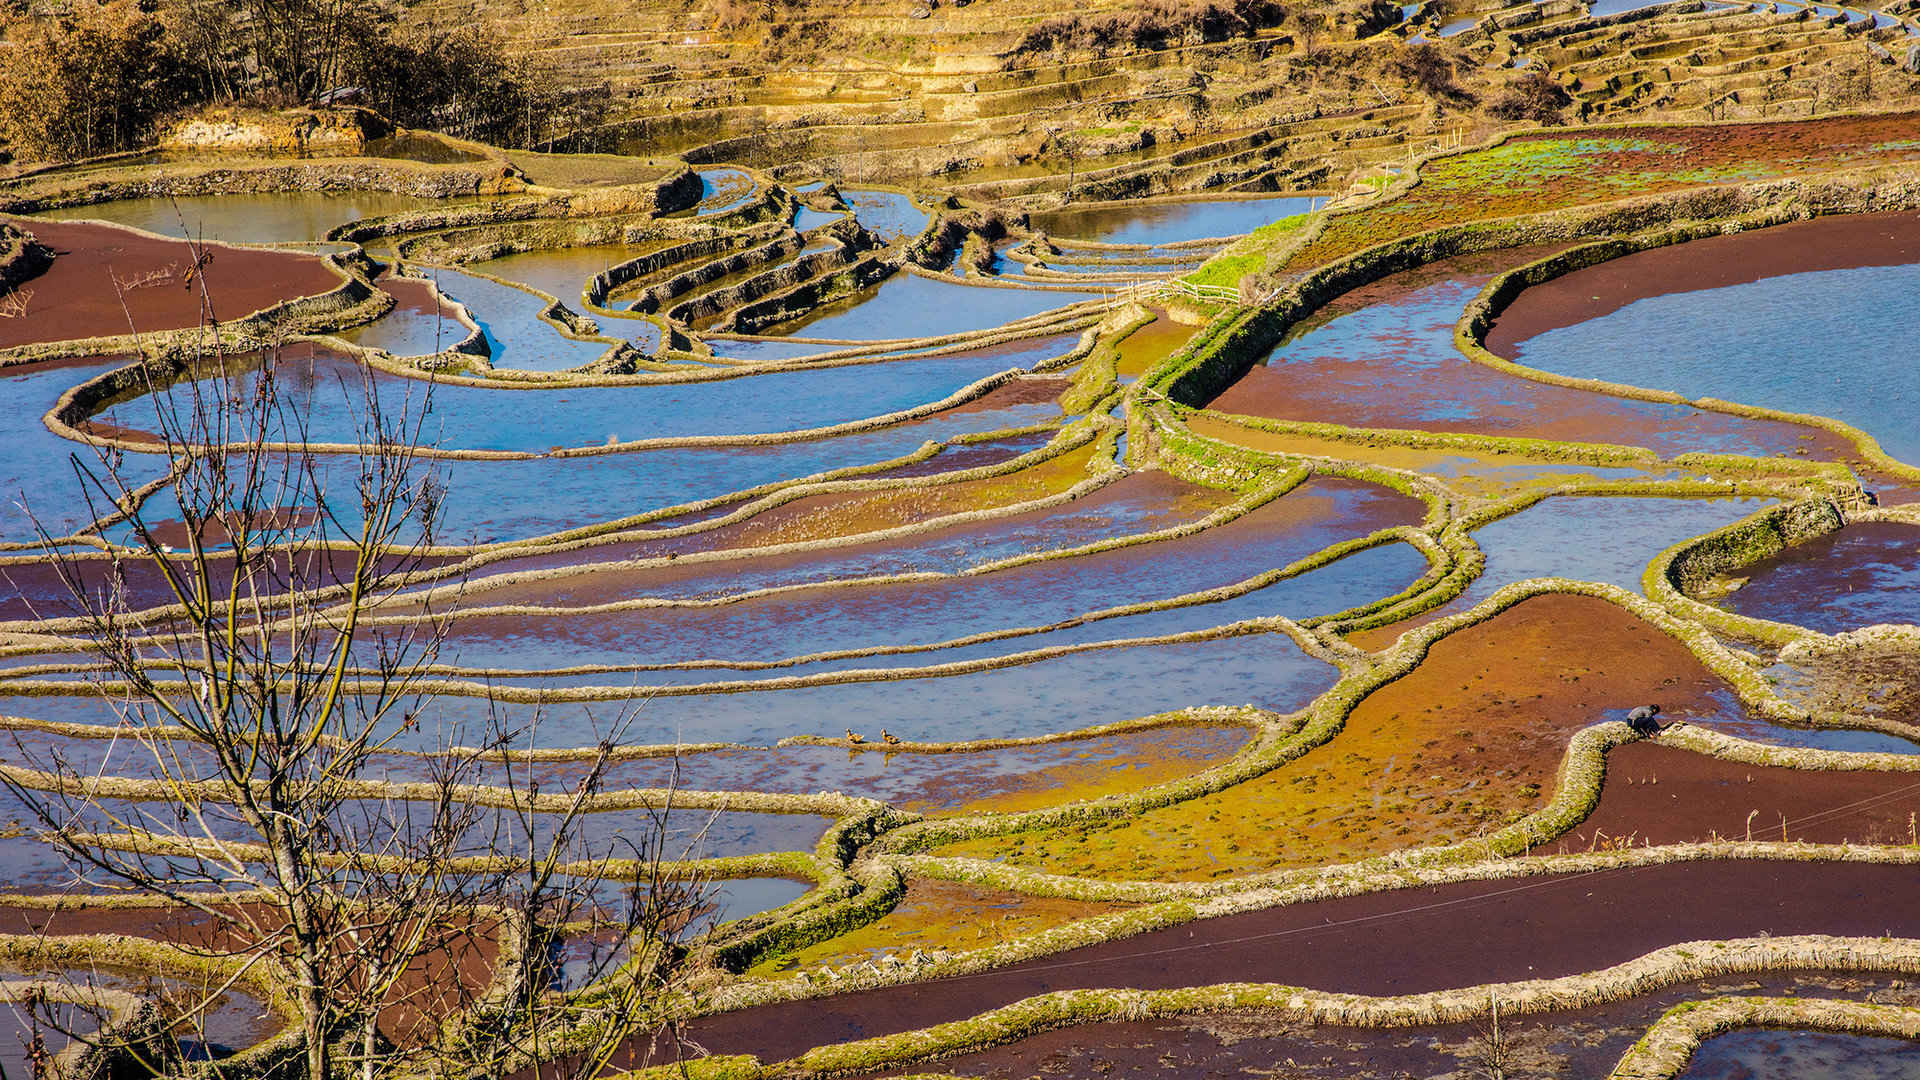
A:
<point x="1092" y="862"/>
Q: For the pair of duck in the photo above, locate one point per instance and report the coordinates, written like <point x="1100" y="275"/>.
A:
<point x="854" y="738"/>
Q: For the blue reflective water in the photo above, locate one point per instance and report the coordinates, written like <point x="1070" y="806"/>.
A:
<point x="725" y="189"/>
<point x="1334" y="372"/>
<point x="913" y="306"/>
<point x="561" y="273"/>
<point x="37" y="480"/>
<point x="1609" y="540"/>
<point x="1817" y="342"/>
<point x="1064" y="693"/>
<point x="510" y="318"/>
<point x="1803" y="1055"/>
<point x="1037" y="594"/>
<point x="889" y="215"/>
<point x="1043" y="696"/>
<point x="492" y="501"/>
<point x="806" y="218"/>
<point x="331" y="395"/>
<point x="1862" y="575"/>
<point x="1616" y="7"/>
<point x="1172" y="222"/>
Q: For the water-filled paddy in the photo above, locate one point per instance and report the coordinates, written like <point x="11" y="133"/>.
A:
<point x="1663" y="795"/>
<point x="1858" y="576"/>
<point x="331" y="393"/>
<point x="1442" y="755"/>
<point x="916" y="306"/>
<point x="1333" y="373"/>
<point x="1037" y="697"/>
<point x="492" y="501"/>
<point x="246" y="219"/>
<point x="1173" y="221"/>
<point x="1571" y="1043"/>
<point x="889" y="215"/>
<point x="107" y="281"/>
<point x="562" y="273"/>
<point x="1130" y="505"/>
<point x="37" y="481"/>
<point x="1033" y="595"/>
<point x="1792" y="1055"/>
<point x="1806" y="343"/>
<point x="748" y="609"/>
<point x="231" y="1021"/>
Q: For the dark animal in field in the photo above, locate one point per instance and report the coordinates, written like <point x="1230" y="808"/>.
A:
<point x="1642" y="720"/>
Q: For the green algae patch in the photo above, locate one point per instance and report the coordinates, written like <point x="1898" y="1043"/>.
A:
<point x="1246" y="255"/>
<point x="1535" y="172"/>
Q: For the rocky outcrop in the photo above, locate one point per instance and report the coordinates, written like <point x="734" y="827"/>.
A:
<point x="290" y="131"/>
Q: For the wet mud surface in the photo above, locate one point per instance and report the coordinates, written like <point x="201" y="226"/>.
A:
<point x="106" y="281"/>
<point x="1577" y="1044"/>
<point x="1661" y="795"/>
<point x="1400" y="942"/>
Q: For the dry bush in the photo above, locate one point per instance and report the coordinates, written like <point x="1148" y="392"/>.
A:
<point x="1155" y="24"/>
<point x="92" y="81"/>
<point x="1431" y="69"/>
<point x="1533" y="99"/>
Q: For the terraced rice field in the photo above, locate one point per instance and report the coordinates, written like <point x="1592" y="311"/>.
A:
<point x="1175" y="636"/>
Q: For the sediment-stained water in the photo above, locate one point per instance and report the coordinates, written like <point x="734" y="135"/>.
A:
<point x="1791" y="1055"/>
<point x="280" y="217"/>
<point x="1862" y="575"/>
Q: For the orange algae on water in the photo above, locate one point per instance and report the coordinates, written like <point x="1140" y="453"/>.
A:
<point x="944" y="915"/>
<point x="1470" y="740"/>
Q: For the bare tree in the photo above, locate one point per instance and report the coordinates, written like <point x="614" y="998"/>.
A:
<point x="277" y="769"/>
